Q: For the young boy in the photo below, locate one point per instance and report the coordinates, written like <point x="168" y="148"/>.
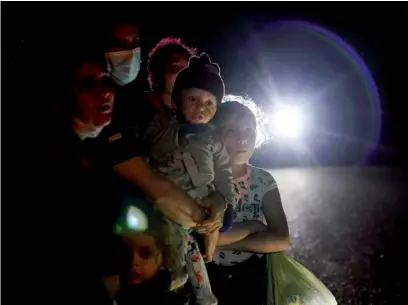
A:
<point x="182" y="148"/>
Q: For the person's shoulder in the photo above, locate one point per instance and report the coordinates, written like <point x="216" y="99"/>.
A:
<point x="164" y="116"/>
<point x="261" y="176"/>
<point x="217" y="146"/>
<point x="257" y="172"/>
<point x="130" y="118"/>
<point x="136" y="112"/>
<point x="213" y="139"/>
<point x="146" y="109"/>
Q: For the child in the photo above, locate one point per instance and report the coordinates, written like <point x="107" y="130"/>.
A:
<point x="146" y="257"/>
<point x="259" y="225"/>
<point x="182" y="147"/>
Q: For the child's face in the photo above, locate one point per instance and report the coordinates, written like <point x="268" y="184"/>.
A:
<point x="239" y="136"/>
<point x="147" y="258"/>
<point x="198" y="106"/>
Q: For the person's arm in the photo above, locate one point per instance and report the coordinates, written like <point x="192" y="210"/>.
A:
<point x="223" y="180"/>
<point x="275" y="238"/>
<point x="173" y="203"/>
<point x="126" y="156"/>
<point x="239" y="231"/>
<point x="224" y="194"/>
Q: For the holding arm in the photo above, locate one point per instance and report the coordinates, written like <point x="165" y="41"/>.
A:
<point x="274" y="238"/>
<point x="127" y="151"/>
<point x="223" y="196"/>
<point x="223" y="180"/>
<point x="167" y="196"/>
<point x="241" y="230"/>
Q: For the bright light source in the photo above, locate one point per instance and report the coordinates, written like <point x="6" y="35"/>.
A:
<point x="133" y="221"/>
<point x="287" y="121"/>
<point x="136" y="219"/>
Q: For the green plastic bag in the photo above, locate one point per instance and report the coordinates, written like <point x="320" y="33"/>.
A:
<point x="290" y="283"/>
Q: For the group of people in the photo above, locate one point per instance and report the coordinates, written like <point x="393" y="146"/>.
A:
<point x="159" y="202"/>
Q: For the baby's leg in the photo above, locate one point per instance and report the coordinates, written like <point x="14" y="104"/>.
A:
<point x="210" y="243"/>
<point x="198" y="275"/>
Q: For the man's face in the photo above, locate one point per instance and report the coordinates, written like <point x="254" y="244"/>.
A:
<point x="125" y="37"/>
<point x="123" y="54"/>
<point x="172" y="67"/>
<point x="93" y="95"/>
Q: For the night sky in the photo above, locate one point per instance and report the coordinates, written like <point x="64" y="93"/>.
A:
<point x="239" y="36"/>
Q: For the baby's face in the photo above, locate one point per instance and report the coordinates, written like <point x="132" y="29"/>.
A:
<point x="198" y="106"/>
<point x="147" y="258"/>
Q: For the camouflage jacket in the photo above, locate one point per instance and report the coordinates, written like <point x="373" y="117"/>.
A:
<point x="197" y="163"/>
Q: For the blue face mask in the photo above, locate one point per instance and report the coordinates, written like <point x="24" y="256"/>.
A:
<point x="123" y="66"/>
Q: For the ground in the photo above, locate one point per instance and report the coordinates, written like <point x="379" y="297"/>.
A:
<point x="348" y="225"/>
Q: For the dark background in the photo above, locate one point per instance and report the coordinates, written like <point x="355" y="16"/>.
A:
<point x="36" y="33"/>
<point x="348" y="224"/>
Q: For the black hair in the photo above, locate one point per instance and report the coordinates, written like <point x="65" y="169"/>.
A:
<point x="161" y="52"/>
<point x="61" y="85"/>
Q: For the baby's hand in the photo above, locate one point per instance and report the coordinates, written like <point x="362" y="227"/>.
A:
<point x="210" y="243"/>
<point x="215" y="205"/>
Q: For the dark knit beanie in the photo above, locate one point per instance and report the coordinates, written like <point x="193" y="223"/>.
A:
<point x="201" y="73"/>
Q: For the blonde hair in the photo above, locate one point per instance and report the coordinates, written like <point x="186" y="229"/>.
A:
<point x="168" y="237"/>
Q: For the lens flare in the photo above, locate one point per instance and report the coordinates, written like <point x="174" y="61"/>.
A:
<point x="287" y="121"/>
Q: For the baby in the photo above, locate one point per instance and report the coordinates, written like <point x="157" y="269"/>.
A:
<point x="182" y="147"/>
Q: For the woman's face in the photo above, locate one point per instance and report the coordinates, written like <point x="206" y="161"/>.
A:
<point x="239" y="136"/>
<point x="172" y="67"/>
<point x="93" y="95"/>
<point x="147" y="258"/>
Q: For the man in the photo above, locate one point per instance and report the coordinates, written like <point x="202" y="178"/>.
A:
<point x="123" y="54"/>
<point x="75" y="212"/>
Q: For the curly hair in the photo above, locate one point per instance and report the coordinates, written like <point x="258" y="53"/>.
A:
<point x="242" y="106"/>
<point x="161" y="52"/>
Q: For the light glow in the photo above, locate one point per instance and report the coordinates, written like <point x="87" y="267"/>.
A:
<point x="287" y="121"/>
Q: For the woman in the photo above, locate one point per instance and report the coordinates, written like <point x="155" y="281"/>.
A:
<point x="167" y="58"/>
<point x="238" y="275"/>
